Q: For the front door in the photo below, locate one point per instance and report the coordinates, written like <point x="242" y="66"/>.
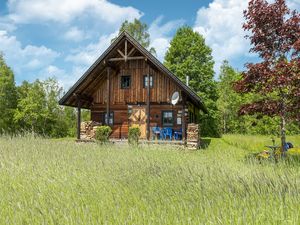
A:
<point x="138" y="117"/>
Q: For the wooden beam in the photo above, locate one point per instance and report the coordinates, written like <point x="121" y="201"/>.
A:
<point x="148" y="103"/>
<point x="128" y="58"/>
<point x="108" y="96"/>
<point x="135" y="57"/>
<point x="121" y="53"/>
<point x="125" y="50"/>
<point x="78" y="118"/>
<point x="116" y="59"/>
<point x="131" y="51"/>
<point x="183" y="118"/>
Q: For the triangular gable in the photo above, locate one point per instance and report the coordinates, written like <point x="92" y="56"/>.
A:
<point x="70" y="97"/>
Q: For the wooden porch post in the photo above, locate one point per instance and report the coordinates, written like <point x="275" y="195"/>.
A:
<point x="108" y="96"/>
<point x="78" y="118"/>
<point x="183" y="118"/>
<point x="148" y="103"/>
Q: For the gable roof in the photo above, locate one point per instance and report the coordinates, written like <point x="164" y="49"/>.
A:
<point x="65" y="100"/>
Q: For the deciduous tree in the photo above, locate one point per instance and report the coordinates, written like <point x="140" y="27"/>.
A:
<point x="8" y="97"/>
<point x="275" y="37"/>
<point x="229" y="100"/>
<point x="139" y="31"/>
<point x="188" y="55"/>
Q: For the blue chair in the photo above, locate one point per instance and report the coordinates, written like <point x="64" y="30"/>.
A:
<point x="162" y="134"/>
<point x="156" y="131"/>
<point x="168" y="132"/>
<point x="178" y="134"/>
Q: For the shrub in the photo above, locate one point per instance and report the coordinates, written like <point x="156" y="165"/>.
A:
<point x="134" y="135"/>
<point x="102" y="133"/>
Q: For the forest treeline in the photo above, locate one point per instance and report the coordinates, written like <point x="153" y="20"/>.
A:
<point x="33" y="107"/>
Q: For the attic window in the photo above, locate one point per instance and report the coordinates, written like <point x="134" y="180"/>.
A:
<point x="146" y="81"/>
<point x="125" y="82"/>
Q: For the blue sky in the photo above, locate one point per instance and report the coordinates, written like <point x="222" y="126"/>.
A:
<point x="62" y="38"/>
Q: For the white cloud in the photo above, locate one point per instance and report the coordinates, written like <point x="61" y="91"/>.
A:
<point x="160" y="38"/>
<point x="6" y="24"/>
<point x="64" y="79"/>
<point x="26" y="58"/>
<point x="87" y="55"/>
<point x="74" y="34"/>
<point x="161" y="34"/>
<point x="221" y="25"/>
<point x="161" y="46"/>
<point x="64" y="11"/>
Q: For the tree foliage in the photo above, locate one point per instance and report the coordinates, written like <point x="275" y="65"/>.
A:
<point x="188" y="55"/>
<point x="38" y="111"/>
<point x="8" y="97"/>
<point x="139" y="31"/>
<point x="230" y="101"/>
<point x="275" y="37"/>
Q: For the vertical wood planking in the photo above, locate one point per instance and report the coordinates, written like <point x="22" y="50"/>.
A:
<point x="162" y="90"/>
<point x="108" y="95"/>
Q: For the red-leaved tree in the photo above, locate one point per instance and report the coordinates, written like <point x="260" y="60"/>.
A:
<point x="274" y="32"/>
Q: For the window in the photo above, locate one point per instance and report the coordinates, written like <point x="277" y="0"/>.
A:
<point x="167" y="118"/>
<point x="191" y="117"/>
<point x="111" y="118"/>
<point x="146" y="81"/>
<point x="125" y="82"/>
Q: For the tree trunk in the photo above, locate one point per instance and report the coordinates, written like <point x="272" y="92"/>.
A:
<point x="282" y="124"/>
<point x="224" y="123"/>
<point x="282" y="134"/>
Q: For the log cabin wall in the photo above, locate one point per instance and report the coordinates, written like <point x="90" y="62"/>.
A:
<point x="161" y="92"/>
<point x="121" y="121"/>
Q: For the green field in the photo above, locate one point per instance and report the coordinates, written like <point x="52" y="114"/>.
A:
<point x="62" y="182"/>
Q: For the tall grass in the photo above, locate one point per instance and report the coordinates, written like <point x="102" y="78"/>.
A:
<point x="257" y="143"/>
<point x="62" y="182"/>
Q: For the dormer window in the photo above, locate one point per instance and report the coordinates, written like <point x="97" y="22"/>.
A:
<point x="125" y="82"/>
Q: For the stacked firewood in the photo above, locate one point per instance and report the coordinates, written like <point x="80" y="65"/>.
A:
<point x="88" y="129"/>
<point x="193" y="135"/>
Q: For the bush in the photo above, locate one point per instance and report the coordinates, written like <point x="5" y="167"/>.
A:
<point x="102" y="133"/>
<point x="134" y="135"/>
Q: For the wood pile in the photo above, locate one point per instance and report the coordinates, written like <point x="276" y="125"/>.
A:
<point x="88" y="129"/>
<point x="193" y="135"/>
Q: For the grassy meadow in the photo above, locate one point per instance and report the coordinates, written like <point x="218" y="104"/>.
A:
<point x="44" y="181"/>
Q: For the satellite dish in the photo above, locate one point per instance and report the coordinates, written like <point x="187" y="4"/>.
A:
<point x="175" y="98"/>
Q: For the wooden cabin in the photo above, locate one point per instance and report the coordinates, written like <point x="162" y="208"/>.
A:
<point x="128" y="86"/>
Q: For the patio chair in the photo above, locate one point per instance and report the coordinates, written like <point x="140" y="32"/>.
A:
<point x="162" y="134"/>
<point x="156" y="132"/>
<point x="168" y="132"/>
<point x="178" y="134"/>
